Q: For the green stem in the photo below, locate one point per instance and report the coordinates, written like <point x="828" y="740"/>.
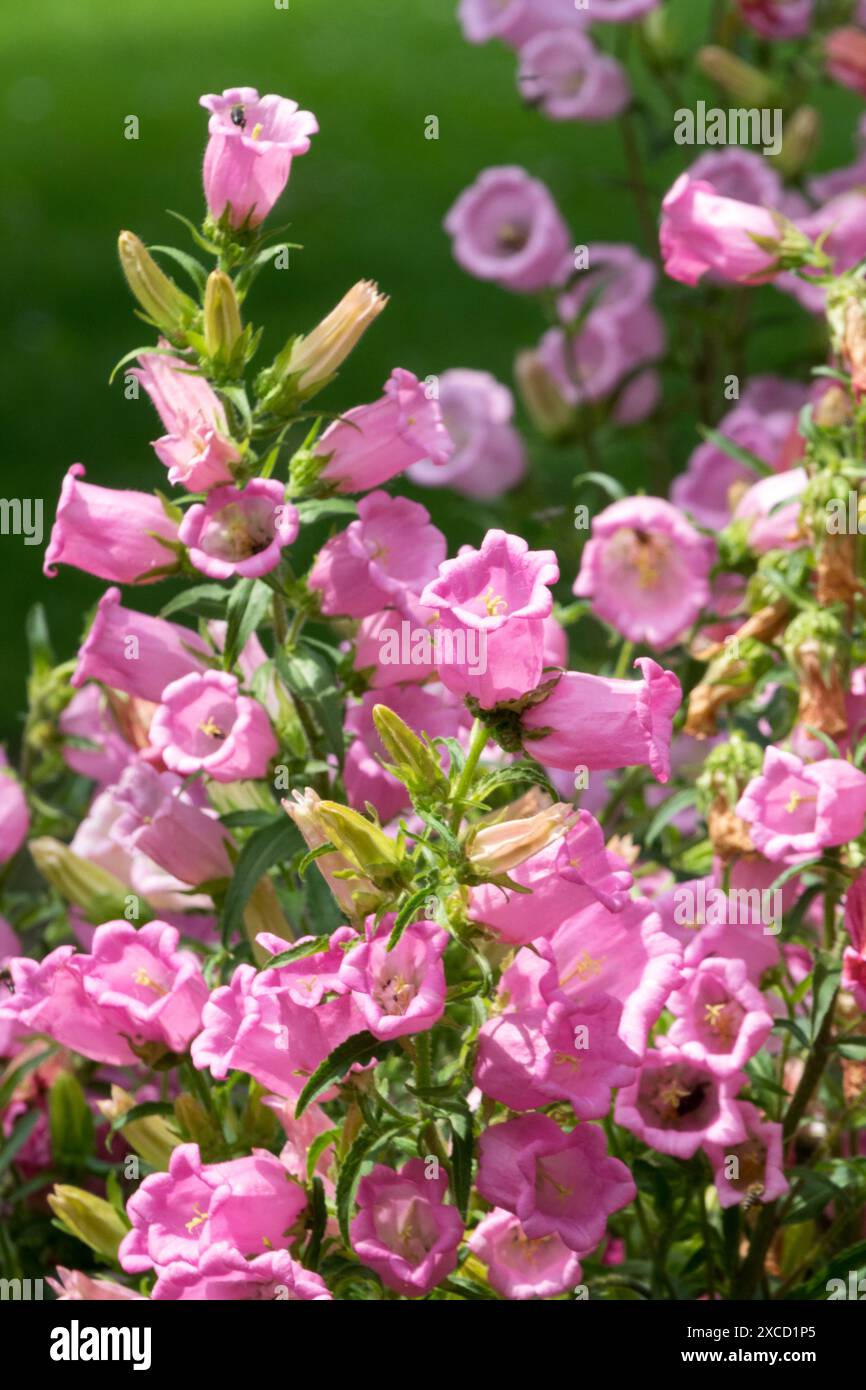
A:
<point x="623" y="660"/>
<point x="477" y="743"/>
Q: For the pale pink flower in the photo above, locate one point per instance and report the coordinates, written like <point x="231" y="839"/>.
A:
<point x="204" y="724"/>
<point x="240" y="531"/>
<point x="196" y="448"/>
<point x="404" y="1230"/>
<point x="112" y="533"/>
<point x="249" y="153"/>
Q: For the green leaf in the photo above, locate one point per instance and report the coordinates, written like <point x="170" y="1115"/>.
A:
<point x="299" y="952"/>
<point x="315" y="508"/>
<point x="141" y="1112"/>
<point x="17" y="1075"/>
<point x="825" y="982"/>
<point x="205" y="600"/>
<point x="791" y="1026"/>
<point x="194" y="269"/>
<point x="514" y="774"/>
<point x="317" y="1221"/>
<point x="18" y="1138"/>
<point x="667" y="811"/>
<point x="462" y="1149"/>
<point x="854" y="1049"/>
<point x="735" y="451"/>
<point x="308" y="676"/>
<point x="360" y="1048"/>
<point x="406" y="913"/>
<point x="349" y="1177"/>
<point x="248" y="603"/>
<point x="611" y="486"/>
<point x="317" y="1148"/>
<point x="270" y="845"/>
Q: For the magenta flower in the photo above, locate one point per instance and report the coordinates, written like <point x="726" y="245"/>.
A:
<point x="563" y="72"/>
<point x="488" y="456"/>
<point x="721" y="1018"/>
<point x="597" y="722"/>
<point x="627" y="955"/>
<point x="646" y="570"/>
<point x="494" y="600"/>
<point x="759" y="1161"/>
<point x="794" y="810"/>
<point x="203" y="724"/>
<point x="778" y="19"/>
<point x="223" y="1274"/>
<point x="143" y="986"/>
<point x="555" y="1183"/>
<point x="567" y="875"/>
<point x="702" y="231"/>
<point x="278" y="1024"/>
<point x="515" y="21"/>
<point x="373" y="443"/>
<point x="109" y="532"/>
<point x="240" y="531"/>
<point x="136" y="652"/>
<point x="519" y="1268"/>
<point x="400" y="991"/>
<point x="404" y="1230"/>
<point x="14" y="815"/>
<point x="854" y="958"/>
<point x="506" y="227"/>
<point x="249" y="153"/>
<point x="196" y="448"/>
<point x="434" y="712"/>
<point x="251" y="1203"/>
<point x="771" y="508"/>
<point x="49" y="997"/>
<point x="392" y="549"/>
<point x="676" y="1105"/>
<point x="160" y="819"/>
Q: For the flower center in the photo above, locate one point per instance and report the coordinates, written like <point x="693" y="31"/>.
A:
<point x="493" y="602"/>
<point x="212" y="729"/>
<point x="142" y="978"/>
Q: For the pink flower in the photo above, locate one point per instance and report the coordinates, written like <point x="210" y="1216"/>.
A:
<point x="845" y="56"/>
<point x="373" y="443"/>
<point x="507" y="228"/>
<point x="709" y="487"/>
<point x="434" y="712"/>
<point x="404" y="1230"/>
<point x="721" y="1018"/>
<point x="223" y="1274"/>
<point x="564" y="1049"/>
<point x="392" y="548"/>
<point x="519" y="1268"/>
<point x="251" y="1203"/>
<point x="778" y="19"/>
<point x="854" y="958"/>
<point x="703" y="231"/>
<point x="515" y="21"/>
<point x="49" y="997"/>
<point x="568" y="874"/>
<point x="627" y="955"/>
<point x="758" y="1160"/>
<point x="598" y="723"/>
<point x="240" y="531"/>
<point x="135" y="652"/>
<point x="109" y="532"/>
<point x="14" y="815"/>
<point x="75" y="1286"/>
<point x="400" y="991"/>
<point x="381" y="652"/>
<point x="554" y="1183"/>
<point x="159" y="819"/>
<point x="771" y="507"/>
<point x="794" y="810"/>
<point x="676" y="1105"/>
<point x="203" y="724"/>
<point x="488" y="456"/>
<point x="143" y="986"/>
<point x="563" y="72"/>
<point x="196" y="448"/>
<point x="89" y="717"/>
<point x="249" y="153"/>
<point x="499" y="595"/>
<point x="646" y="570"/>
<point x="276" y="1024"/>
<point x="592" y="363"/>
<point x="840" y="224"/>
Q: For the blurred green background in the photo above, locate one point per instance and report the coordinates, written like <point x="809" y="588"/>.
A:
<point x="366" y="202"/>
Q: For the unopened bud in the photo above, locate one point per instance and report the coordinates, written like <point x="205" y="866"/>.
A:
<point x="222" y="317"/>
<point x="170" y="309"/>
<point x="93" y="1220"/>
<point x="151" y="1137"/>
<point x="737" y="78"/>
<point x="306" y="364"/>
<point x="801" y="136"/>
<point x="356" y="894"/>
<point x="494" y="849"/>
<point x="98" y="893"/>
<point x="415" y="763"/>
<point x="550" y="411"/>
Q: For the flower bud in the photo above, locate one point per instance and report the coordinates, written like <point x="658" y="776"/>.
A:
<point x="308" y="363"/>
<point x="70" y="1120"/>
<point x="196" y="1123"/>
<point x="801" y="136"/>
<point x="222" y="317"/>
<point x="356" y="894"/>
<point x="170" y="309"/>
<point x="98" y="893"/>
<point x="151" y="1138"/>
<point x="365" y="845"/>
<point x="415" y="762"/>
<point x="550" y="412"/>
<point x="737" y="78"/>
<point x="90" y="1218"/>
<point x="494" y="849"/>
<point x="263" y="914"/>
